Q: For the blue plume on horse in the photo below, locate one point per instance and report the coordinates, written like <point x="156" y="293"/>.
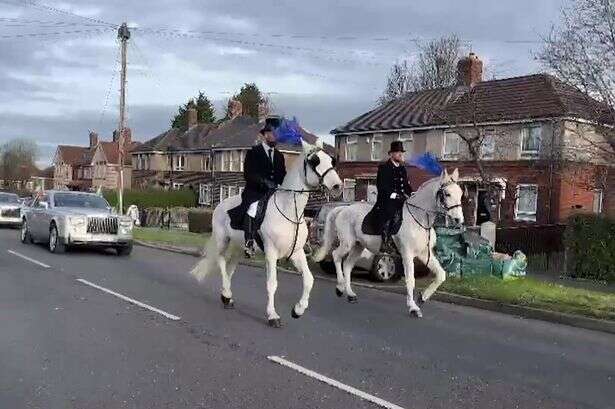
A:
<point x="428" y="162"/>
<point x="289" y="132"/>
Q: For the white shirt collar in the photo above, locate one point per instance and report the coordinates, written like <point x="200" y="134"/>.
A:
<point x="395" y="163"/>
<point x="266" y="147"/>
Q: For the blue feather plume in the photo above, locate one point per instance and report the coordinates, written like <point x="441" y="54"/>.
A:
<point x="428" y="162"/>
<point x="289" y="132"/>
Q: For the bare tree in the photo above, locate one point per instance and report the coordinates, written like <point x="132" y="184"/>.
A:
<point x="580" y="51"/>
<point x="17" y="160"/>
<point x="435" y="67"/>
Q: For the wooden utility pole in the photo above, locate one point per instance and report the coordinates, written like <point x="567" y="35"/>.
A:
<point x="123" y="34"/>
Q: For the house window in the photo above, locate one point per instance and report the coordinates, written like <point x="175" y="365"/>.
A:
<point x="348" y="194"/>
<point x="351" y="148"/>
<point x="376" y="146"/>
<point x="235" y="159"/>
<point x="225" y="161"/>
<point x="451" y="145"/>
<point x="177" y="185"/>
<point x="179" y="162"/>
<point x="205" y="162"/>
<point x="407" y="140"/>
<point x="487" y="146"/>
<point x="204" y="194"/>
<point x="530" y="141"/>
<point x="227" y="191"/>
<point x="597" y="204"/>
<point x="527" y="202"/>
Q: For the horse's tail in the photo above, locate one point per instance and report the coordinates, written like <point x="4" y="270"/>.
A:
<point x="207" y="264"/>
<point x="329" y="235"/>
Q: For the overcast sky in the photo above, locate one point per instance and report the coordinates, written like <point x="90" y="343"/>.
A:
<point x="322" y="61"/>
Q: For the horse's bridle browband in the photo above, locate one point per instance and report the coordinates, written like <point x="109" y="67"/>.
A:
<point x="442" y="201"/>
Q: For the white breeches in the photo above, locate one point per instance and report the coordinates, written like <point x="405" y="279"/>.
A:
<point x="252" y="210"/>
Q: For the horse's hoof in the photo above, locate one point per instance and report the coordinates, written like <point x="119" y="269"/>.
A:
<point x="352" y="299"/>
<point x="228" y="303"/>
<point x="294" y="314"/>
<point x="419" y="299"/>
<point x="416" y="313"/>
<point x="275" y="323"/>
<point x="338" y="292"/>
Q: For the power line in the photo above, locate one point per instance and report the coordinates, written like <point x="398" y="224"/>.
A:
<point x="108" y="93"/>
<point x="45" y="34"/>
<point x="45" y="7"/>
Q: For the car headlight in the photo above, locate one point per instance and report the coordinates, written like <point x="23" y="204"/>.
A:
<point x="77" y="220"/>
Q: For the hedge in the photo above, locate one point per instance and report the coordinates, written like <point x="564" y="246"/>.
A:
<point x="145" y="199"/>
<point x="590" y="247"/>
<point x="199" y="220"/>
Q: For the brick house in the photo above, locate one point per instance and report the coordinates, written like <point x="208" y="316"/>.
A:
<point x="538" y="146"/>
<point x="206" y="158"/>
<point x="94" y="166"/>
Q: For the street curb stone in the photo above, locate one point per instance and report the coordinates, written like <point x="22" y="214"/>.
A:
<point x="510" y="309"/>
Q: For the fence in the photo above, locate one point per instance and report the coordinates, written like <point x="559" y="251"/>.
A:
<point x="543" y="245"/>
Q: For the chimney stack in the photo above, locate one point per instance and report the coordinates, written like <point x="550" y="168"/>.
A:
<point x="93" y="139"/>
<point x="192" y="117"/>
<point x="469" y="70"/>
<point x="235" y="108"/>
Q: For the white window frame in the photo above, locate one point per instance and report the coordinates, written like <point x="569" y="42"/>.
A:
<point x="177" y="185"/>
<point x="206" y="163"/>
<point x="376" y="147"/>
<point x="351" y="140"/>
<point x="452" y="154"/>
<point x="204" y="193"/>
<point x="599" y="193"/>
<point x="349" y="184"/>
<point x="489" y="137"/>
<point x="527" y="216"/>
<point x="179" y="162"/>
<point x="404" y="137"/>
<point x="235" y="161"/>
<point x="526" y="131"/>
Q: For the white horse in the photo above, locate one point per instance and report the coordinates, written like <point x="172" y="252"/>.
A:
<point x="415" y="238"/>
<point x="283" y="230"/>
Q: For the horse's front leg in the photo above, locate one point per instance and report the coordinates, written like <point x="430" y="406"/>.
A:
<point x="272" y="285"/>
<point x="408" y="262"/>
<point x="440" y="275"/>
<point x="301" y="264"/>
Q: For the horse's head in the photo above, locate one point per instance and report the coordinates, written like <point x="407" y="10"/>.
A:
<point x="320" y="167"/>
<point x="449" y="195"/>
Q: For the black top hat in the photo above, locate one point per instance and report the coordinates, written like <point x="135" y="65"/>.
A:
<point x="271" y="123"/>
<point x="397" y="146"/>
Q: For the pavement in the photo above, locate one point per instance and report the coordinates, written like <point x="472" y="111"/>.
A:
<point x="86" y="344"/>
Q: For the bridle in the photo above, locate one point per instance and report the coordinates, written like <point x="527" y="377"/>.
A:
<point x="312" y="161"/>
<point x="442" y="200"/>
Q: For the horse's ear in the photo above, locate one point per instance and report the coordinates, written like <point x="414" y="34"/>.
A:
<point x="319" y="143"/>
<point x="455" y="175"/>
<point x="444" y="175"/>
<point x="307" y="148"/>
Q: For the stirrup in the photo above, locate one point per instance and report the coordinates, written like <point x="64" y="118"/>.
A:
<point x="249" y="248"/>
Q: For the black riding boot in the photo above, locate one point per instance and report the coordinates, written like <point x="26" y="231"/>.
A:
<point x="386" y="246"/>
<point x="249" y="236"/>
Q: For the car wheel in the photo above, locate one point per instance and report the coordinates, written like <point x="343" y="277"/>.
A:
<point x="55" y="242"/>
<point x="327" y="266"/>
<point x="124" y="251"/>
<point x="385" y="268"/>
<point x="26" y="238"/>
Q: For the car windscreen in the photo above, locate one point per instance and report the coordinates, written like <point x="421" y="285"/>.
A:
<point x="77" y="200"/>
<point x="10" y="199"/>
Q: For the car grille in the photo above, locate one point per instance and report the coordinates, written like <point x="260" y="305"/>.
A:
<point x="10" y="213"/>
<point x="102" y="225"/>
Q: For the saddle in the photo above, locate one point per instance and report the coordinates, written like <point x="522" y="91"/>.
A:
<point x="239" y="214"/>
<point x="373" y="222"/>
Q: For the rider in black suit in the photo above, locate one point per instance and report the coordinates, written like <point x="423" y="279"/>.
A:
<point x="393" y="186"/>
<point x="264" y="170"/>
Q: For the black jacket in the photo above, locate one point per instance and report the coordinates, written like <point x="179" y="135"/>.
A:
<point x="258" y="171"/>
<point x="391" y="179"/>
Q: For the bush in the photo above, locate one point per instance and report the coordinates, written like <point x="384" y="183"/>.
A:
<point x="145" y="199"/>
<point x="590" y="247"/>
<point x="199" y="220"/>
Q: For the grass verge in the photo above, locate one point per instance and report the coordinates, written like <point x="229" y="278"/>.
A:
<point x="178" y="238"/>
<point x="534" y="293"/>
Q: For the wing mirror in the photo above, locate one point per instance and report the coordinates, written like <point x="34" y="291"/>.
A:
<point x="43" y="205"/>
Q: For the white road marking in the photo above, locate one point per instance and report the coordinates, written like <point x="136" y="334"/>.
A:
<point x="130" y="300"/>
<point x="31" y="260"/>
<point x="346" y="388"/>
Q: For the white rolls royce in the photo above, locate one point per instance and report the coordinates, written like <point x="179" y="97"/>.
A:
<point x="10" y="209"/>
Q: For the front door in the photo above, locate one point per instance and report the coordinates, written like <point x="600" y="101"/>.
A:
<point x="483" y="208"/>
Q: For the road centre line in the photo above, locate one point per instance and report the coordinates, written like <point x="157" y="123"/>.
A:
<point x="31" y="260"/>
<point x="332" y="382"/>
<point x="130" y="300"/>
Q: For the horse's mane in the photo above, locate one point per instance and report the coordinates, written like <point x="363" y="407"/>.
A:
<point x="428" y="182"/>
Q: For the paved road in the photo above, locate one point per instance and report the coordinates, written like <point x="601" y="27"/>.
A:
<point x="64" y="344"/>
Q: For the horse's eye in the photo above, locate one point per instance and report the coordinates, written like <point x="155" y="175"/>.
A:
<point x="447" y="194"/>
